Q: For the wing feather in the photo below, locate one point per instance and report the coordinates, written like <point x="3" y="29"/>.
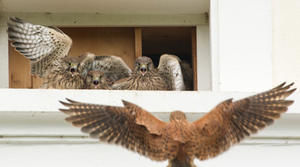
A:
<point x="230" y="122"/>
<point x="39" y="44"/>
<point x="119" y="125"/>
<point x="112" y="66"/>
<point x="169" y="66"/>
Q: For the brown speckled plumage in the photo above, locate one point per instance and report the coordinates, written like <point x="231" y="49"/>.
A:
<point x="43" y="46"/>
<point x="97" y="80"/>
<point x="113" y="67"/>
<point x="145" y="76"/>
<point x="180" y="141"/>
<point x="69" y="73"/>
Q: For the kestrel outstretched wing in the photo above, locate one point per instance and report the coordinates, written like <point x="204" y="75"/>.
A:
<point x="40" y="44"/>
<point x="130" y="126"/>
<point x="169" y="67"/>
<point x="229" y="122"/>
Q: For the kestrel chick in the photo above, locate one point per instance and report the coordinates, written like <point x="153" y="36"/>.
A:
<point x="168" y="75"/>
<point x="45" y="47"/>
<point x="97" y="80"/>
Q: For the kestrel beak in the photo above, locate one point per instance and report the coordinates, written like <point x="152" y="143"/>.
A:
<point x="73" y="69"/>
<point x="143" y="69"/>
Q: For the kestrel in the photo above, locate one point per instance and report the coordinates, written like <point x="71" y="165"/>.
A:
<point x="113" y="67"/>
<point x="168" y="75"/>
<point x="180" y="141"/>
<point x="45" y="47"/>
<point x="96" y="80"/>
<point x="69" y="74"/>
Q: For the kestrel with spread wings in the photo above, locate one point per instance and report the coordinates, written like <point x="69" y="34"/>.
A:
<point x="180" y="141"/>
<point x="167" y="76"/>
<point x="44" y="46"/>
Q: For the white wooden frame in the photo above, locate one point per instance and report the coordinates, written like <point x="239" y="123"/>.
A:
<point x="83" y="20"/>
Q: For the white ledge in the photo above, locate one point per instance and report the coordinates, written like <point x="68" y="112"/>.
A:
<point x="43" y="100"/>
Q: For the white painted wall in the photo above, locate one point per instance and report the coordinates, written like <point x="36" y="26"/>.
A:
<point x="244" y="43"/>
<point x="286" y="41"/>
<point x="4" y="80"/>
<point x="204" y="58"/>
<point x="100" y="155"/>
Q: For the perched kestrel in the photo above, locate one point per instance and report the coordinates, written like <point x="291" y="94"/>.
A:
<point x="113" y="67"/>
<point x="168" y="75"/>
<point x="180" y="141"/>
<point x="45" y="47"/>
<point x="69" y="74"/>
<point x="96" y="80"/>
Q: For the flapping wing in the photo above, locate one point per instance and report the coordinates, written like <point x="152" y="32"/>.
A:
<point x="37" y="42"/>
<point x="229" y="122"/>
<point x="113" y="67"/>
<point x="121" y="125"/>
<point x="169" y="67"/>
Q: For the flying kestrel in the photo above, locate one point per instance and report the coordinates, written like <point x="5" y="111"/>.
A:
<point x="45" y="47"/>
<point x="167" y="76"/>
<point x="180" y="141"/>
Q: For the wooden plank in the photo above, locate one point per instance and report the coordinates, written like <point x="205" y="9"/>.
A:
<point x="19" y="70"/>
<point x="194" y="58"/>
<point x="138" y="42"/>
<point x="36" y="81"/>
<point x="103" y="41"/>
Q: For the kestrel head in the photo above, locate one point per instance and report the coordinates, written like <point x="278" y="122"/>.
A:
<point x="143" y="65"/>
<point x="72" y="65"/>
<point x="96" y="80"/>
<point x="177" y="116"/>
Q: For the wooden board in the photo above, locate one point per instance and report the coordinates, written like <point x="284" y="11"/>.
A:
<point x="194" y="58"/>
<point x="138" y="42"/>
<point x="19" y="70"/>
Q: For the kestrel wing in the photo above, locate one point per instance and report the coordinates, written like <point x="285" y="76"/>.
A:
<point x="40" y="44"/>
<point x="169" y="67"/>
<point x="187" y="73"/>
<point x="86" y="61"/>
<point x="113" y="67"/>
<point x="230" y="122"/>
<point x="117" y="125"/>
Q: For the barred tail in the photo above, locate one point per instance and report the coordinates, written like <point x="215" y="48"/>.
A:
<point x="179" y="163"/>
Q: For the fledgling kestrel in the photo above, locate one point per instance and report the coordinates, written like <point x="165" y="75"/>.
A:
<point x="180" y="141"/>
<point x="167" y="76"/>
<point x="69" y="74"/>
<point x="97" y="80"/>
<point x="45" y="47"/>
<point x="113" y="68"/>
